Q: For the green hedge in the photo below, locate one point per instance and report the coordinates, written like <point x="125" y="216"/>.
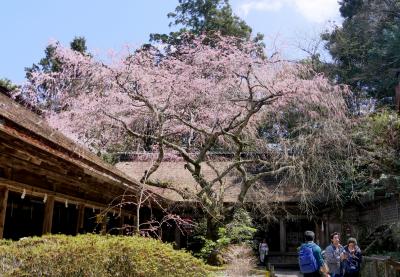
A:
<point x="94" y="255"/>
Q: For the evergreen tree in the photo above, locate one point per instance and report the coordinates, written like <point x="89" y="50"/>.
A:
<point x="205" y="16"/>
<point x="6" y="83"/>
<point x="79" y="44"/>
<point x="365" y="48"/>
<point x="51" y="64"/>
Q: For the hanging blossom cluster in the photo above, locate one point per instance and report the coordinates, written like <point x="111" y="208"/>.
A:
<point x="197" y="89"/>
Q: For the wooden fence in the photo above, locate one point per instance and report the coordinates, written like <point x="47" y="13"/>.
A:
<point x="380" y="266"/>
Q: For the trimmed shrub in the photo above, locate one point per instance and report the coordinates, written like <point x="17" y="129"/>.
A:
<point x="94" y="255"/>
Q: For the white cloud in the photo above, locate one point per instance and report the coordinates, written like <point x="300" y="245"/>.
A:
<point x="265" y="5"/>
<point x="318" y="10"/>
<point x="313" y="10"/>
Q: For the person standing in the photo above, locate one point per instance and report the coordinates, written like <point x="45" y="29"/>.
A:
<point x="310" y="259"/>
<point x="333" y="256"/>
<point x="352" y="258"/>
<point x="263" y="251"/>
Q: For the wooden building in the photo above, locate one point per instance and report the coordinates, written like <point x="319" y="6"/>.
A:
<point x="49" y="184"/>
<point x="284" y="234"/>
<point x="371" y="219"/>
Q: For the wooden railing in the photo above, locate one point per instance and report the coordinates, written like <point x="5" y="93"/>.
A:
<point x="380" y="266"/>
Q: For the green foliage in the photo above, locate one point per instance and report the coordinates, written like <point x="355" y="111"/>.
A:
<point x="109" y="158"/>
<point x="206" y="17"/>
<point x="6" y="83"/>
<point x="365" y="47"/>
<point x="388" y="242"/>
<point x="377" y="164"/>
<point x="239" y="230"/>
<point x="380" y="134"/>
<point x="317" y="65"/>
<point x="79" y="44"/>
<point x="201" y="16"/>
<point x="93" y="255"/>
<point x="49" y="63"/>
<point x="385" y="127"/>
<point x="109" y="155"/>
<point x="208" y="247"/>
<point x="348" y="8"/>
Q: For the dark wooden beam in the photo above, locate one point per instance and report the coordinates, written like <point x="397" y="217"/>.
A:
<point x="48" y="215"/>
<point x="3" y="208"/>
<point x="81" y="218"/>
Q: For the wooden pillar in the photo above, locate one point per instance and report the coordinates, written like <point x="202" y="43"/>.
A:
<point x="3" y="208"/>
<point x="104" y="224"/>
<point x="122" y="223"/>
<point x="322" y="242"/>
<point x="282" y="235"/>
<point x="160" y="234"/>
<point x="81" y="218"/>
<point x="48" y="215"/>
<point x="317" y="233"/>
<point x="177" y="238"/>
<point x="376" y="269"/>
<point x="387" y="268"/>
<point x="327" y="238"/>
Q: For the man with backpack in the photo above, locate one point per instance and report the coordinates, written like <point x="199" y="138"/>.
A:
<point x="310" y="259"/>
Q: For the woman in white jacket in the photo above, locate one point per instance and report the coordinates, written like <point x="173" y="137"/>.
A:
<point x="263" y="250"/>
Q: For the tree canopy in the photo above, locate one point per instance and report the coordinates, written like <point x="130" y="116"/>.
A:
<point x="6" y="83"/>
<point x="377" y="165"/>
<point x="205" y="17"/>
<point x="198" y="100"/>
<point x="50" y="63"/>
<point x="365" y="47"/>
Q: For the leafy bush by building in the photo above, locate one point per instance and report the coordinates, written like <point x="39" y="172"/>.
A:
<point x="240" y="230"/>
<point x="93" y="255"/>
<point x="377" y="165"/>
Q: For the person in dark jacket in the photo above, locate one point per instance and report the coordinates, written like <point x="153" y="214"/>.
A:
<point x="352" y="259"/>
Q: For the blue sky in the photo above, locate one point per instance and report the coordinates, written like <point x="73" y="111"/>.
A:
<point x="28" y="26"/>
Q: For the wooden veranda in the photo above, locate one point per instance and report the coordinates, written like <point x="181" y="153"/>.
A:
<point x="42" y="170"/>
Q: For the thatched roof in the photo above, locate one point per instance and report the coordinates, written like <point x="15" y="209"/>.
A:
<point x="180" y="178"/>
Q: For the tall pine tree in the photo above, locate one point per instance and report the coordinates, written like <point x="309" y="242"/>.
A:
<point x="49" y="63"/>
<point x="365" y="48"/>
<point x="205" y="17"/>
